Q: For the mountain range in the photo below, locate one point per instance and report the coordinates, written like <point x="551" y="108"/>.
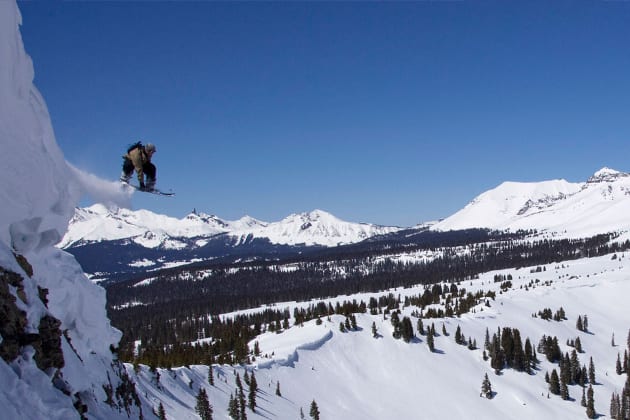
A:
<point x="140" y="241"/>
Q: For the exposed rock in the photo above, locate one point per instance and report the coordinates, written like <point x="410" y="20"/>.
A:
<point x="12" y="319"/>
<point x="48" y="347"/>
<point x="26" y="266"/>
<point x="13" y="322"/>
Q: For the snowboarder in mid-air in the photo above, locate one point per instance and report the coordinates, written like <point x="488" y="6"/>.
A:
<point x="138" y="158"/>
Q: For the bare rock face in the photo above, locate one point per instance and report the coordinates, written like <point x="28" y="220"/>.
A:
<point x="13" y="322"/>
<point x="48" y="352"/>
<point x="12" y="319"/>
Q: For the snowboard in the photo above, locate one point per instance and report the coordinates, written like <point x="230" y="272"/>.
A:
<point x="153" y="191"/>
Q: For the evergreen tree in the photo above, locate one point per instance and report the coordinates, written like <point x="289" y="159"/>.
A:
<point x="590" y="402"/>
<point x="578" y="345"/>
<point x="458" y="335"/>
<point x="583" y="400"/>
<point x="314" y="411"/>
<point x="554" y="383"/>
<point x="240" y="399"/>
<point x="486" y="387"/>
<point x="518" y="355"/>
<point x="239" y="384"/>
<point x="579" y="325"/>
<point x="374" y="331"/>
<point x="210" y="375"/>
<point x="430" y="340"/>
<point x="253" y="387"/>
<point x="565" y="369"/>
<point x="584" y="376"/>
<point x="529" y="356"/>
<point x="406" y="329"/>
<point x="564" y="389"/>
<point x="203" y="407"/>
<point x="614" y="407"/>
<point x="420" y="327"/>
<point x="444" y="332"/>
<point x="618" y="365"/>
<point x="353" y="322"/>
<point x="497" y="356"/>
<point x="591" y="372"/>
<point x="278" y="393"/>
<point x="161" y="413"/>
<point x="246" y="377"/>
<point x="233" y="411"/>
<point x="486" y="343"/>
<point x="575" y="369"/>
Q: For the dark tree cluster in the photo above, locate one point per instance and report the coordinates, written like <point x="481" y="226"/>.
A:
<point x="576" y="344"/>
<point x="547" y="314"/>
<point x="180" y="307"/>
<point x="506" y="349"/>
<point x="620" y="402"/>
<point x="500" y="278"/>
<point x="582" y="323"/>
<point x="550" y="348"/>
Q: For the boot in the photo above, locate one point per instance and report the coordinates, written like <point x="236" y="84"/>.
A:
<point x="150" y="184"/>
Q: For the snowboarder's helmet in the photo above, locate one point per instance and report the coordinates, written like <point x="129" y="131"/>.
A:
<point x="150" y="148"/>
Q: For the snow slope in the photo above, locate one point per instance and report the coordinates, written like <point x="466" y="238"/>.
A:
<point x="600" y="205"/>
<point x="352" y="375"/>
<point x="39" y="191"/>
<point x="101" y="223"/>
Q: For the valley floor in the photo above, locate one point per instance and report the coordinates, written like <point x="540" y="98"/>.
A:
<point x="352" y="375"/>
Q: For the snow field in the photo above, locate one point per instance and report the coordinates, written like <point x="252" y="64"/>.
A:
<point x="352" y="375"/>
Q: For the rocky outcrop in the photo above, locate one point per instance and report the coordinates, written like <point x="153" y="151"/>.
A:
<point x="48" y="353"/>
<point x="12" y="319"/>
<point x="13" y="323"/>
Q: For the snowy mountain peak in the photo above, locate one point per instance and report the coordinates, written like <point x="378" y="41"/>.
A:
<point x="308" y="218"/>
<point x="208" y="219"/>
<point x="98" y="223"/>
<point x="248" y="222"/>
<point x="606" y="175"/>
<point x="569" y="209"/>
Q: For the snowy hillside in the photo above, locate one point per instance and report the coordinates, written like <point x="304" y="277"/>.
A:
<point x="55" y="337"/>
<point x="601" y="204"/>
<point x="352" y="375"/>
<point x="98" y="223"/>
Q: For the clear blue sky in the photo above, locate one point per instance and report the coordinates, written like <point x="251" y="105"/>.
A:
<point x="389" y="113"/>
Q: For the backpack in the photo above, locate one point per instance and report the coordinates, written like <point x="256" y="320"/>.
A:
<point x="134" y="146"/>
